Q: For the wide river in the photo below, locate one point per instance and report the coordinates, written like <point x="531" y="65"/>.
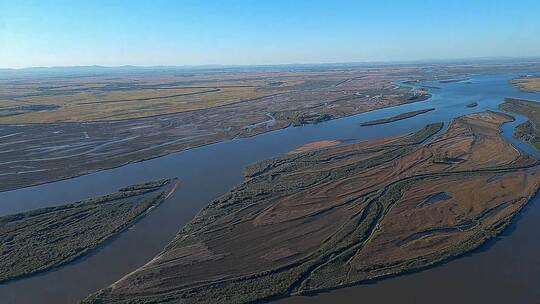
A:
<point x="505" y="270"/>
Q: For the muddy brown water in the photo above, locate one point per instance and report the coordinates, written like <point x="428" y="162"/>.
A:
<point x="505" y="270"/>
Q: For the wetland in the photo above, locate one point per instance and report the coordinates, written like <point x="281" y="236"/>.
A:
<point x="528" y="130"/>
<point x="343" y="217"/>
<point x="40" y="239"/>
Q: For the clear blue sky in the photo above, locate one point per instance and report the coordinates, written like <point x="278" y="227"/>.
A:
<point x="109" y="32"/>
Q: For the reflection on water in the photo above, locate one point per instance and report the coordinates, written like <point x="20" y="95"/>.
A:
<point x="210" y="171"/>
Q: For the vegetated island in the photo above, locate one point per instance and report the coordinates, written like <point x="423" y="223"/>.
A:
<point x="453" y="80"/>
<point x="41" y="239"/>
<point x="400" y="116"/>
<point x="472" y="104"/>
<point x="330" y="218"/>
<point x="300" y="119"/>
<point x="527" y="131"/>
<point x="527" y="83"/>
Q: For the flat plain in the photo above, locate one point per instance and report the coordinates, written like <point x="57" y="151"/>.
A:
<point x="329" y="213"/>
<point x="106" y="98"/>
<point x="61" y="126"/>
<point x="342" y="215"/>
<point x="527" y="83"/>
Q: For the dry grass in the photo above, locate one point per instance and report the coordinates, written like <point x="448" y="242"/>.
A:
<point x="324" y="218"/>
<point x="315" y="146"/>
<point x="113" y="97"/>
<point x="219" y="107"/>
<point x="411" y="231"/>
<point x="95" y="104"/>
<point x="528" y="84"/>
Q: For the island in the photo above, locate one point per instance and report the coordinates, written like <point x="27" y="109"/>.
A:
<point x="527" y="83"/>
<point x="396" y="117"/>
<point x="527" y="131"/>
<point x="39" y="240"/>
<point x="315" y="146"/>
<point x="324" y="219"/>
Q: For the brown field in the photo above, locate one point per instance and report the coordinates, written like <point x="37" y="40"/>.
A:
<point x="342" y="215"/>
<point x="123" y="97"/>
<point x="528" y="84"/>
<point x="137" y="115"/>
<point x="315" y="146"/>
<point x="240" y="104"/>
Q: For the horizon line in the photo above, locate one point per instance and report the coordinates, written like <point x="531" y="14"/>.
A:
<point x="277" y="64"/>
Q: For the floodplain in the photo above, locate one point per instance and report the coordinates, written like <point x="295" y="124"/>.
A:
<point x="316" y="136"/>
<point x="359" y="212"/>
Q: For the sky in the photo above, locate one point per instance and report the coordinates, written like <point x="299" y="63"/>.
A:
<point x="229" y="32"/>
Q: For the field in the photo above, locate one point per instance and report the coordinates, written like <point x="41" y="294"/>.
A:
<point x="527" y="84"/>
<point x="314" y="146"/>
<point x="99" y="98"/>
<point x="46" y="134"/>
<point x="41" y="239"/>
<point x="329" y="218"/>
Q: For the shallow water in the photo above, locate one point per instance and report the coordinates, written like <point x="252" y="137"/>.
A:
<point x="208" y="172"/>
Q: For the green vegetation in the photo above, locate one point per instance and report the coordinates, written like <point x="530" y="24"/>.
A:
<point x="41" y="239"/>
<point x="396" y="117"/>
<point x="305" y="160"/>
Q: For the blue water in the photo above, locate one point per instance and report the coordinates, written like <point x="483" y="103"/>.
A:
<point x="208" y="172"/>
